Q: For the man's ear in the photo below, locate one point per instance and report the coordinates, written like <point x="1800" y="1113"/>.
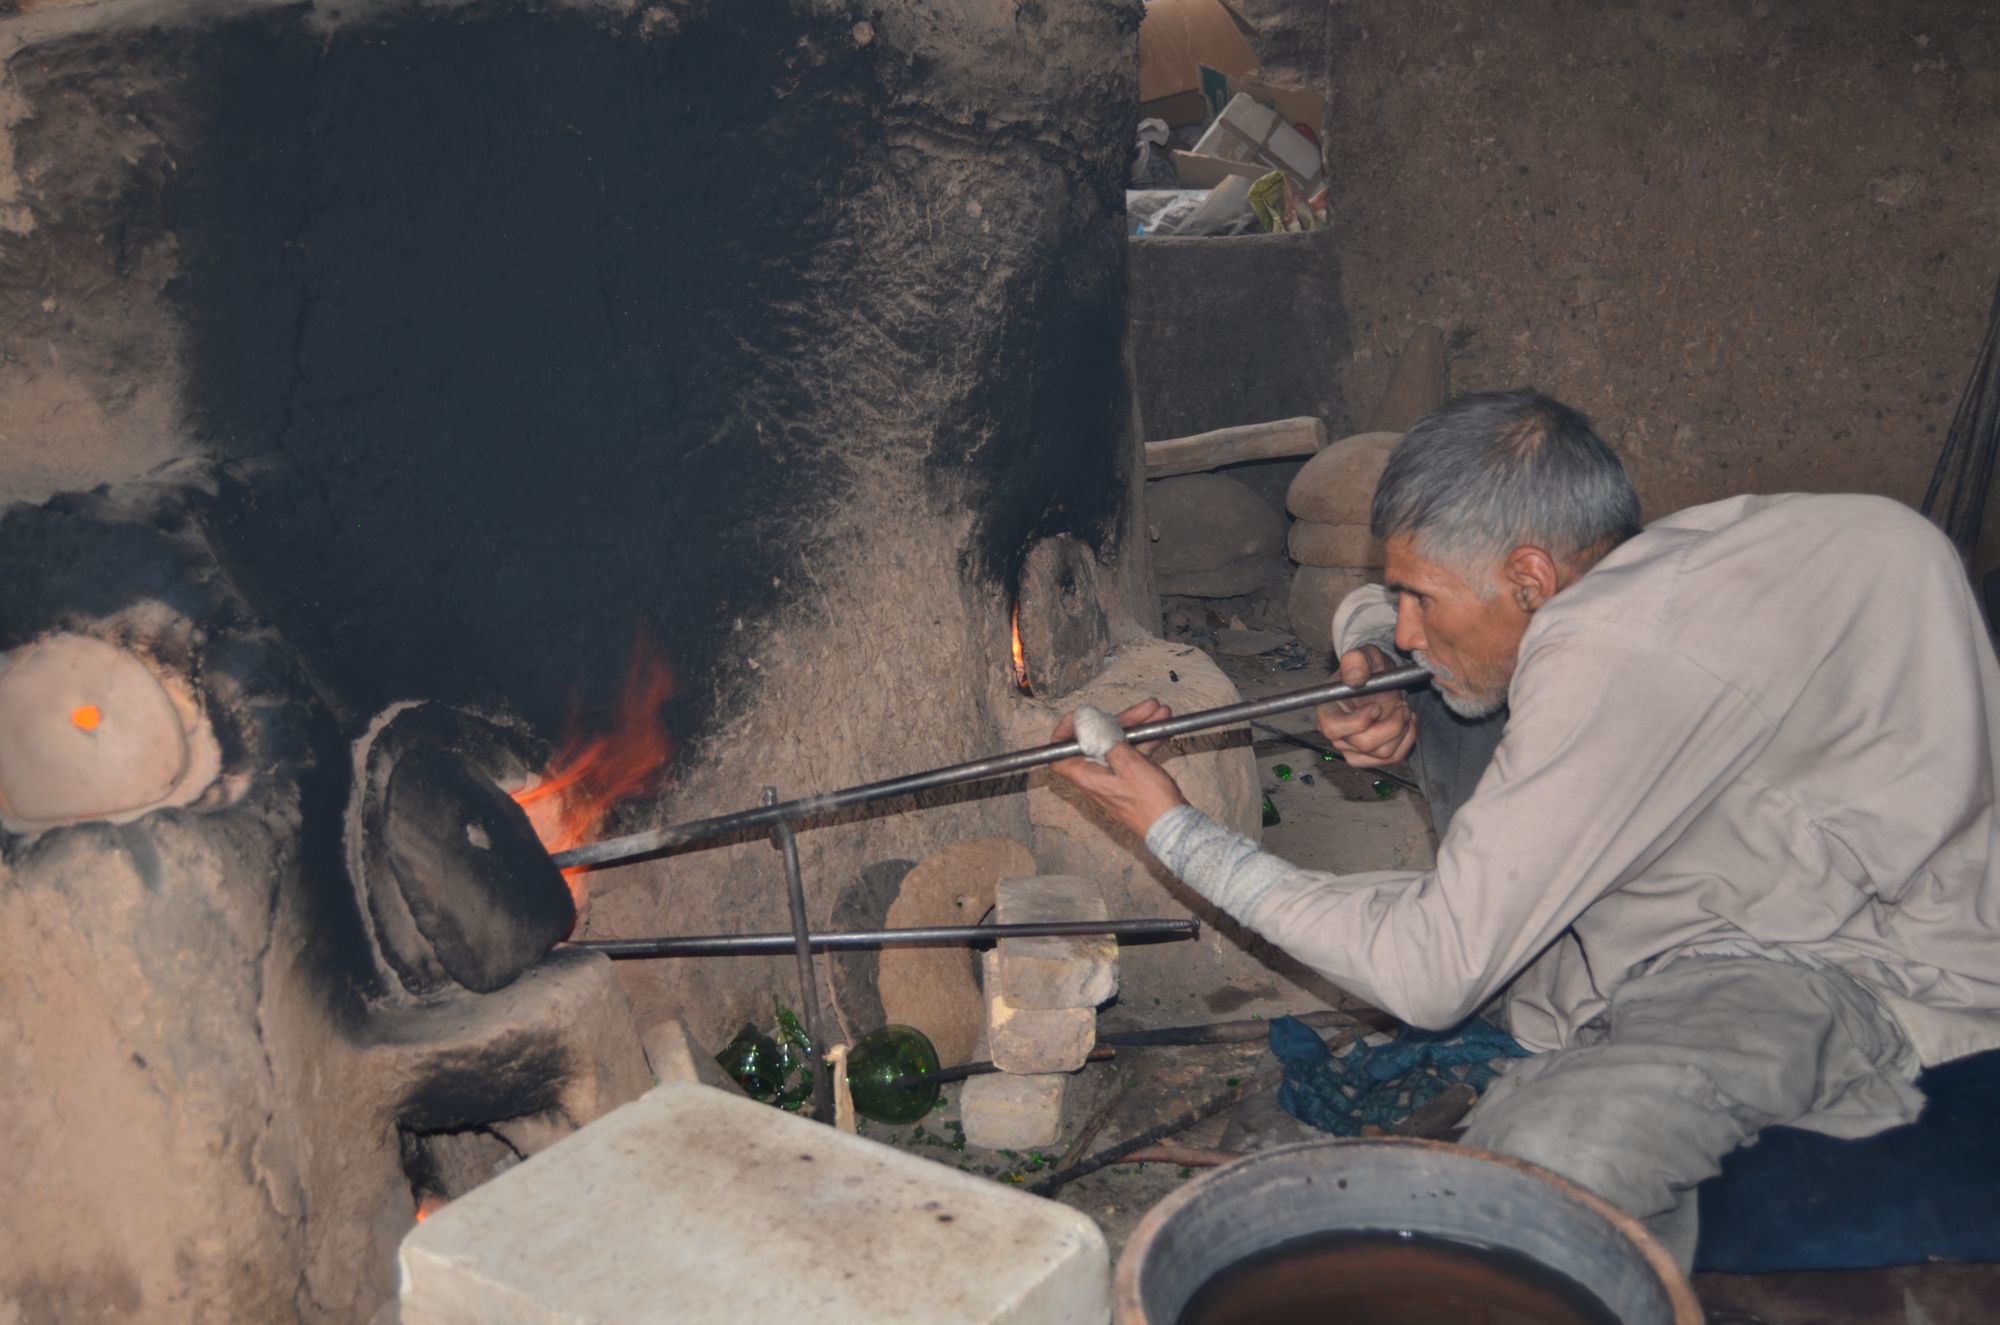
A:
<point x="1531" y="576"/>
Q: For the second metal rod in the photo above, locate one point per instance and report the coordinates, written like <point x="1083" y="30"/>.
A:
<point x="743" y="945"/>
<point x="795" y="891"/>
<point x="634" y="845"/>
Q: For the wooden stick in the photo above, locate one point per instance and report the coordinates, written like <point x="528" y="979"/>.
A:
<point x="1188" y="1157"/>
<point x="1090" y="1129"/>
<point x="843" y="1095"/>
<point x="1208" y="1108"/>
<point x="1304" y="435"/>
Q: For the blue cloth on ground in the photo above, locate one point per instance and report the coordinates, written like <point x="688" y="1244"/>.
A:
<point x="1381" y="1084"/>
<point x="1927" y="1191"/>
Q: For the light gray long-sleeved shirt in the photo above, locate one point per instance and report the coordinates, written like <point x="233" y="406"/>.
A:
<point x="1770" y="720"/>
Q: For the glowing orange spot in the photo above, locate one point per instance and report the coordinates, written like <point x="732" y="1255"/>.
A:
<point x="590" y="776"/>
<point x="86" y="717"/>
<point x="1020" y="658"/>
<point x="429" y="1204"/>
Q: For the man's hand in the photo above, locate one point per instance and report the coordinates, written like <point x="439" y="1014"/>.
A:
<point x="1133" y="790"/>
<point x="1373" y="730"/>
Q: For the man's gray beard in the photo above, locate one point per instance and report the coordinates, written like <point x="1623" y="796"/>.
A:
<point x="1472" y="707"/>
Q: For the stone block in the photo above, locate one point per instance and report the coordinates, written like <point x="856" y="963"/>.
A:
<point x="1214" y="538"/>
<point x="1049" y="972"/>
<point x="1346" y="545"/>
<point x="1337" y="486"/>
<point x="674" y="1055"/>
<point x="692" y="1205"/>
<point x="1010" y="1111"/>
<point x="1316" y="592"/>
<point x="1032" y="1040"/>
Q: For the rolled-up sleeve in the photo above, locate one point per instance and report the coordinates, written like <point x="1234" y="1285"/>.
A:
<point x="1613" y="746"/>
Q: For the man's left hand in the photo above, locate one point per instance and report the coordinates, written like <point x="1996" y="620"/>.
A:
<point x="1133" y="790"/>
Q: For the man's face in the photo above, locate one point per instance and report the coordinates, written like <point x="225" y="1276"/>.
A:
<point x="1468" y="634"/>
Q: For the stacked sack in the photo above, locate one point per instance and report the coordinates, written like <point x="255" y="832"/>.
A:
<point x="1330" y="541"/>
<point x="1331" y="495"/>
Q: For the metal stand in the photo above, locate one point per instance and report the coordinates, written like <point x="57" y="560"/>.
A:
<point x="795" y="888"/>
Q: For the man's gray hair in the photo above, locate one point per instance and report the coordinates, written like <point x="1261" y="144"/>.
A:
<point x="1488" y="473"/>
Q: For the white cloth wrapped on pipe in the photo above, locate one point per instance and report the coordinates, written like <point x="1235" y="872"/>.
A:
<point x="1097" y="732"/>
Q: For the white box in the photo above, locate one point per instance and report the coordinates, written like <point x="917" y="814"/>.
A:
<point x="1248" y="130"/>
<point x="691" y="1205"/>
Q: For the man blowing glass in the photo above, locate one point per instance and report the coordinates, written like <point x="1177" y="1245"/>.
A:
<point x="1715" y="801"/>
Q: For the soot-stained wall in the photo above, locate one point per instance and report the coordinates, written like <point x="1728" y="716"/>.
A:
<point x="519" y="333"/>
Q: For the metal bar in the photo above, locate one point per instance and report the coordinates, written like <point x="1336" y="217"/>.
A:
<point x="635" y="845"/>
<point x="740" y="945"/>
<point x="984" y="1067"/>
<point x="1170" y="1037"/>
<point x="795" y="890"/>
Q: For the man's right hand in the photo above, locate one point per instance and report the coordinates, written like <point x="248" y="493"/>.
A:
<point x="1373" y="730"/>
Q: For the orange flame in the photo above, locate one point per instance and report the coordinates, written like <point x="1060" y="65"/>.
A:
<point x="590" y="776"/>
<point x="86" y="717"/>
<point x="1020" y="658"/>
<point x="429" y="1204"/>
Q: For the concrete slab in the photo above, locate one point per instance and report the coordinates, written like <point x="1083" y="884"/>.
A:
<point x="689" y="1205"/>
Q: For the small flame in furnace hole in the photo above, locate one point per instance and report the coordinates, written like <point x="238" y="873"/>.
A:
<point x="1020" y="658"/>
<point x="590" y="776"/>
<point x="86" y="717"/>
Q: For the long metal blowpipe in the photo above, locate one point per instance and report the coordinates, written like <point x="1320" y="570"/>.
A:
<point x="633" y="845"/>
<point x="740" y="945"/>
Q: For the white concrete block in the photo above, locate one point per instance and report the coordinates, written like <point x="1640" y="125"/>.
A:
<point x="689" y="1205"/>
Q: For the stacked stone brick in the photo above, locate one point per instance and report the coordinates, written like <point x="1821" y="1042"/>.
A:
<point x="1042" y="996"/>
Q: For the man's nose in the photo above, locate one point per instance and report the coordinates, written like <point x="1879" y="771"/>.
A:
<point x="1409" y="630"/>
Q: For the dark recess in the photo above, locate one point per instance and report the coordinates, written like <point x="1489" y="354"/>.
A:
<point x="489" y="306"/>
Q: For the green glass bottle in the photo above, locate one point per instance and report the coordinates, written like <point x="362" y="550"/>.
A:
<point x="875" y="1065"/>
<point x="755" y="1061"/>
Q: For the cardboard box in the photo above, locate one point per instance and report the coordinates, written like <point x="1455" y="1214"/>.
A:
<point x="1177" y="37"/>
<point x="1304" y="111"/>
<point x="1248" y="130"/>
<point x="1205" y="172"/>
